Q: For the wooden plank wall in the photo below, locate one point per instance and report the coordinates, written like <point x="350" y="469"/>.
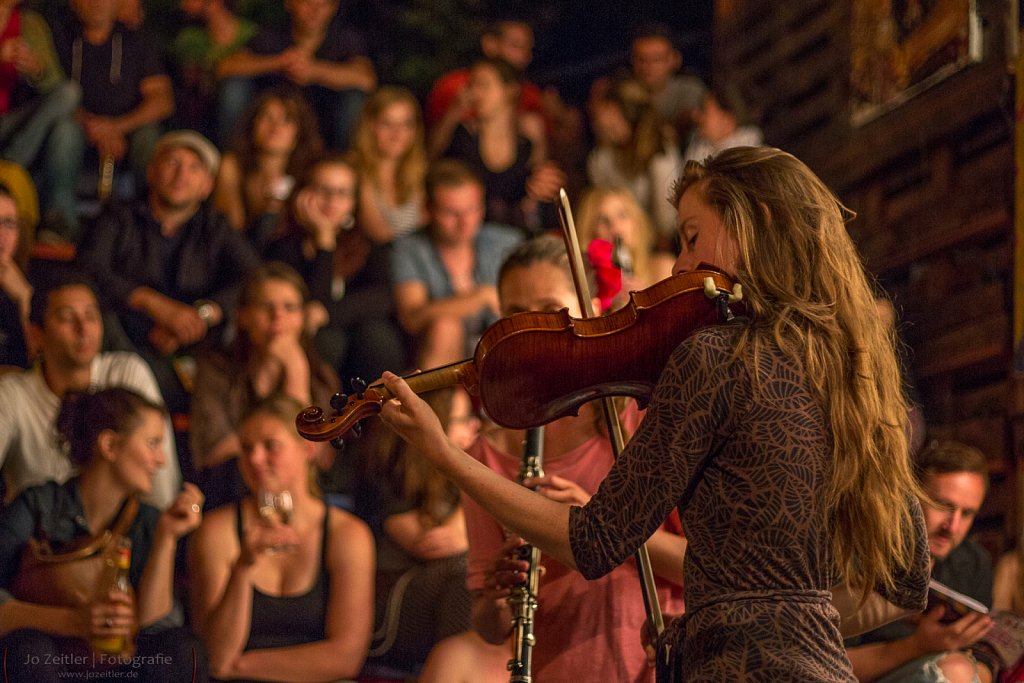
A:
<point x="932" y="184"/>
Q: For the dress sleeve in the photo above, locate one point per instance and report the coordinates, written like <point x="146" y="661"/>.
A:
<point x="911" y="589"/>
<point x="689" y="415"/>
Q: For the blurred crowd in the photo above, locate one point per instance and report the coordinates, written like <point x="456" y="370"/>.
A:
<point x="198" y="242"/>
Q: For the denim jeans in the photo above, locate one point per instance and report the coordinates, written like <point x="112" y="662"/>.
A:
<point x="65" y="155"/>
<point x="921" y="670"/>
<point x="23" y="130"/>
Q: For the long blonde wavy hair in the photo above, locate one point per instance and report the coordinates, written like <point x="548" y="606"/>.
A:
<point x="412" y="168"/>
<point x="807" y="291"/>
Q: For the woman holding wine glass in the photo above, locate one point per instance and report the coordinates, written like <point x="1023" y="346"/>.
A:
<point x="282" y="584"/>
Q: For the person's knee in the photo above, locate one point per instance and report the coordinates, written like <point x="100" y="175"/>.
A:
<point x="28" y="640"/>
<point x="67" y="140"/>
<point x="957" y="667"/>
<point x="64" y="98"/>
<point x="29" y="656"/>
<point x="172" y="655"/>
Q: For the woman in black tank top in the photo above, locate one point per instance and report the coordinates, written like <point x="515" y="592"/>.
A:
<point x="277" y="601"/>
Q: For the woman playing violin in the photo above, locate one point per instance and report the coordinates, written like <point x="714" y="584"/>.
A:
<point x="576" y="619"/>
<point x="780" y="440"/>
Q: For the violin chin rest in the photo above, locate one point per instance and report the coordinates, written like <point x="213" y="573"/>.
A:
<point x="712" y="291"/>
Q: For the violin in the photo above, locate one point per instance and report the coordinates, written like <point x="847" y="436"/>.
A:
<point x="535" y="367"/>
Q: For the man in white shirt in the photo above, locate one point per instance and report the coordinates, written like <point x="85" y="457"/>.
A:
<point x="72" y="332"/>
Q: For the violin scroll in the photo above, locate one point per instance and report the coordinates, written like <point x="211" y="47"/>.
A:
<point x="314" y="425"/>
<point x="368" y="400"/>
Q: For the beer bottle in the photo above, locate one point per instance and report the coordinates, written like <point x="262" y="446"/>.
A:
<point x="115" y="579"/>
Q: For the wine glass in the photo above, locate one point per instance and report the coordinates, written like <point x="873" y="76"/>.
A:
<point x="275" y="506"/>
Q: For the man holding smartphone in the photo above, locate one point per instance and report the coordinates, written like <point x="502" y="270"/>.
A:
<point x="923" y="648"/>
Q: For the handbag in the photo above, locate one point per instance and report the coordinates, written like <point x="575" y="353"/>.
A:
<point x="69" y="579"/>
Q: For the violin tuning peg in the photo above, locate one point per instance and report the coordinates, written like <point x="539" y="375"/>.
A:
<point x="338" y="443"/>
<point x="357" y="430"/>
<point x="338" y="401"/>
<point x="358" y="386"/>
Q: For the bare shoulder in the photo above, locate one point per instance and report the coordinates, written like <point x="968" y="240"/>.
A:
<point x="348" y="533"/>
<point x="217" y="534"/>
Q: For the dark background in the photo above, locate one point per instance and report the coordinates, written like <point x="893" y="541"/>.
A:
<point x="414" y="41"/>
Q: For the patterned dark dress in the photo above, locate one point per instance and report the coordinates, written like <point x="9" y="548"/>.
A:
<point x="758" y="568"/>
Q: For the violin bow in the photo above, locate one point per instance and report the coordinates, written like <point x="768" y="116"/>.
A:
<point x="611" y="416"/>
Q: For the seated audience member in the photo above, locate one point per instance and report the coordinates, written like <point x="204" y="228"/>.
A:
<point x="612" y="214"/>
<point x="317" y="53"/>
<point x="270" y="355"/>
<point x="114" y="436"/>
<point x="491" y="145"/>
<point x="196" y="52"/>
<point x="275" y="142"/>
<point x="722" y="122"/>
<point x="169" y="266"/>
<point x="346" y="274"/>
<point x="390" y="156"/>
<point x="632" y="151"/>
<point x="282" y="592"/>
<point x="70" y="360"/>
<point x="449" y="102"/>
<point x="15" y="290"/>
<point x="34" y="95"/>
<point x="585" y="630"/>
<point x="421" y="548"/>
<point x="444" y="275"/>
<point x="923" y="648"/>
<point x="126" y="92"/>
<point x="656" y="63"/>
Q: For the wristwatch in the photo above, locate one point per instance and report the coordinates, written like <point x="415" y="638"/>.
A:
<point x="206" y="310"/>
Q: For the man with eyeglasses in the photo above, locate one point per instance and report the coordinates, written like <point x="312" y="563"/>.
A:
<point x="929" y="647"/>
<point x="169" y="266"/>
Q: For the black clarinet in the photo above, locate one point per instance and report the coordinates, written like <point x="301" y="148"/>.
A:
<point x="523" y="600"/>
